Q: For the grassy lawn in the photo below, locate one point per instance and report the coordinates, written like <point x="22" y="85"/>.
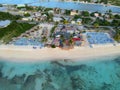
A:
<point x="13" y="30"/>
<point x="115" y="2"/>
<point x="8" y="16"/>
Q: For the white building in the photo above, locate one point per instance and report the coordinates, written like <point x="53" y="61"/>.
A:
<point x="51" y="12"/>
<point x="57" y="19"/>
<point x="79" y="21"/>
<point x="27" y="19"/>
<point x="70" y="31"/>
<point x="96" y="14"/>
<point x="73" y="13"/>
<point x="72" y="22"/>
<point x="21" y="5"/>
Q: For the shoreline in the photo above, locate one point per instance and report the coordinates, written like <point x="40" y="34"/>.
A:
<point x="27" y="54"/>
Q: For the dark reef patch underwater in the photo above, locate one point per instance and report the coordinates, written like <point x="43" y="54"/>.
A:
<point x="103" y="74"/>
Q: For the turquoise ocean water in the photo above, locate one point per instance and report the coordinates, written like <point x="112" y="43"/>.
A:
<point x="65" y="5"/>
<point x="101" y="73"/>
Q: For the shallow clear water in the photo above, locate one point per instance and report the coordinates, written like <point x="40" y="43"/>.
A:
<point x="65" y="5"/>
<point x="95" y="74"/>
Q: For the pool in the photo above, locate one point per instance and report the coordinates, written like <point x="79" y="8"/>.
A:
<point x="4" y="23"/>
<point x="3" y="9"/>
<point x="26" y="41"/>
<point x="98" y="38"/>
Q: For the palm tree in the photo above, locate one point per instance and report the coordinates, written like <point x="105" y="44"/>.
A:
<point x="117" y="35"/>
<point x="44" y="39"/>
<point x="71" y="42"/>
<point x="96" y="25"/>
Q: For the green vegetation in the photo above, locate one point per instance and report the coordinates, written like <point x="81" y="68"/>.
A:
<point x="117" y="35"/>
<point x="85" y="13"/>
<point x="39" y="8"/>
<point x="26" y="14"/>
<point x="53" y="46"/>
<point x="13" y="30"/>
<point x="29" y="8"/>
<point x="62" y="37"/>
<point x="115" y="2"/>
<point x="111" y="16"/>
<point x="8" y="16"/>
<point x="86" y="20"/>
<point x="48" y="9"/>
<point x="105" y="22"/>
<point x="63" y="19"/>
<point x="44" y="39"/>
<point x="65" y="22"/>
<point x="101" y="22"/>
<point x="104" y="1"/>
<point x="70" y="41"/>
<point x="96" y="25"/>
<point x="76" y="17"/>
<point x="52" y="31"/>
<point x="1" y="5"/>
<point x="67" y="12"/>
<point x="49" y="16"/>
<point x="115" y="23"/>
<point x="117" y="16"/>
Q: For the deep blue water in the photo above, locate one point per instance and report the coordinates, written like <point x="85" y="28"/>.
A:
<point x="96" y="74"/>
<point x="65" y="5"/>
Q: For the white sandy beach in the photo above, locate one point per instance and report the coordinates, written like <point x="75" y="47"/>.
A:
<point x="22" y="54"/>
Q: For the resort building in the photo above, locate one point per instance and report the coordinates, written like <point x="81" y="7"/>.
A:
<point x="96" y="14"/>
<point x="26" y="19"/>
<point x="73" y="12"/>
<point x="73" y="22"/>
<point x="77" y="41"/>
<point x="51" y="11"/>
<point x="57" y="19"/>
<point x="79" y="21"/>
<point x="56" y="42"/>
<point x="21" y="5"/>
